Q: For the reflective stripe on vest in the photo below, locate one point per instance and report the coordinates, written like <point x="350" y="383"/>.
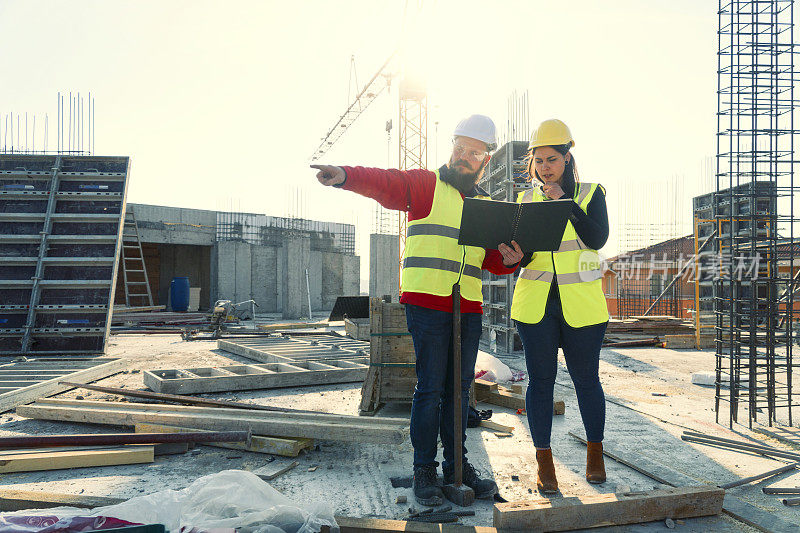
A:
<point x="433" y="229"/>
<point x="575" y="268"/>
<point x="434" y="260"/>
<point x="441" y="264"/>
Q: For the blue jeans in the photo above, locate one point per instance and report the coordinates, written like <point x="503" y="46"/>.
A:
<point x="582" y="353"/>
<point x="432" y="408"/>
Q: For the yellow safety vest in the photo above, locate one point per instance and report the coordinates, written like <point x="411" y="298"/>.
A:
<point x="434" y="260"/>
<point x="576" y="268"/>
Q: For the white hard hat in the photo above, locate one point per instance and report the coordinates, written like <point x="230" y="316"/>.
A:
<point x="478" y="127"/>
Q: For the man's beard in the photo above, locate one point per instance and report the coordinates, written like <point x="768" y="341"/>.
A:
<point x="463" y="181"/>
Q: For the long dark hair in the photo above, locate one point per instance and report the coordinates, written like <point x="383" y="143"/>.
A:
<point x="570" y="169"/>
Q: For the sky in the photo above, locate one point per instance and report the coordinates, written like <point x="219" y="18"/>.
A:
<point x="221" y="104"/>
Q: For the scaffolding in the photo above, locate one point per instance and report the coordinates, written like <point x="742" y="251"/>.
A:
<point x="753" y="210"/>
<point x="505" y="177"/>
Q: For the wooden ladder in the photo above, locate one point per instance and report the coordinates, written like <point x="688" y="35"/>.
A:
<point x="137" y="286"/>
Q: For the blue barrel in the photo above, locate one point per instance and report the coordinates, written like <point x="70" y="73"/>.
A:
<point x="179" y="293"/>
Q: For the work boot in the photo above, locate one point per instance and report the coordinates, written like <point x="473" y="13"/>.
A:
<point x="546" y="481"/>
<point x="595" y="467"/>
<point x="426" y="488"/>
<point x="483" y="488"/>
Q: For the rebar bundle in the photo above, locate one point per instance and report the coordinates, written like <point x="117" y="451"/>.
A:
<point x="753" y="210"/>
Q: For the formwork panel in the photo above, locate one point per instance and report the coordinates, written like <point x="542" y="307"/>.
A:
<point x="60" y="236"/>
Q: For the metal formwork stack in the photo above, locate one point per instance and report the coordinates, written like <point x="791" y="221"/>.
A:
<point x="505" y="177"/>
<point x="61" y="219"/>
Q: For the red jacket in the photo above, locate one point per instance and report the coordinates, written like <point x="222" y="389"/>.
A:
<point x="412" y="191"/>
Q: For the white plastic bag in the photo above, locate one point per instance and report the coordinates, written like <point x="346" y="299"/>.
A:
<point x="490" y="368"/>
<point x="228" y="499"/>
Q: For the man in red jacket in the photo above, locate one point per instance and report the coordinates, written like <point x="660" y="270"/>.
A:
<point x="433" y="263"/>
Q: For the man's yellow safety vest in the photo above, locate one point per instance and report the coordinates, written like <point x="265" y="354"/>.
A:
<point x="434" y="260"/>
<point x="575" y="266"/>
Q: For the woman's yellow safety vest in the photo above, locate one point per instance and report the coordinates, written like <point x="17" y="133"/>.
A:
<point x="576" y="268"/>
<point x="434" y="260"/>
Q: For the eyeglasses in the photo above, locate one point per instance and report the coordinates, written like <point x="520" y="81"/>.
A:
<point x="461" y="150"/>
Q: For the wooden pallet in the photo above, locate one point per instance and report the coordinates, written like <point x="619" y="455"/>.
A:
<point x="23" y="382"/>
<point x="280" y="424"/>
<point x="250" y="377"/>
<point x="391" y="376"/>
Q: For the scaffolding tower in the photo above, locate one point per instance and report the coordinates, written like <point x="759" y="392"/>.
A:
<point x="505" y="177"/>
<point x="753" y="209"/>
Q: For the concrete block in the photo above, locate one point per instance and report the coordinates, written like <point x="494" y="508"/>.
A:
<point x="297" y="253"/>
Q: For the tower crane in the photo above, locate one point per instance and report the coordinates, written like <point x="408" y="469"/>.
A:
<point x="412" y="124"/>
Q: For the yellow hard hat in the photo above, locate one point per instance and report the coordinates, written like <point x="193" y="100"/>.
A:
<point x="551" y="132"/>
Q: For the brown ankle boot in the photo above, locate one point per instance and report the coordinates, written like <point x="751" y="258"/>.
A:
<point x="546" y="481"/>
<point x="595" y="468"/>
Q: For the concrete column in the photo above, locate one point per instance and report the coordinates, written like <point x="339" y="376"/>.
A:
<point x="351" y="275"/>
<point x="332" y="279"/>
<point x="384" y="253"/>
<point x="297" y="256"/>
<point x="264" y="280"/>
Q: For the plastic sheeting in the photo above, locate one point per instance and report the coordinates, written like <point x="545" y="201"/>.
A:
<point x="228" y="499"/>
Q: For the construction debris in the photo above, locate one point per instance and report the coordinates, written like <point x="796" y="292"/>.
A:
<point x="489" y="392"/>
<point x="40" y="377"/>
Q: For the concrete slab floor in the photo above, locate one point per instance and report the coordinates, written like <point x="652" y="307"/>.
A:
<point x="354" y="478"/>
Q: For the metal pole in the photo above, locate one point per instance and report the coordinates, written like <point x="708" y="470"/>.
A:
<point x="457" y="424"/>
<point x="44" y="441"/>
<point x="308" y="293"/>
<point x="746" y="480"/>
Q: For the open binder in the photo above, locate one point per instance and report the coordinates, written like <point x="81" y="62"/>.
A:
<point x="536" y="226"/>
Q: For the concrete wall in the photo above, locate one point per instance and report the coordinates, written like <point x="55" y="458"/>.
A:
<point x="174" y="225"/>
<point x="384" y="254"/>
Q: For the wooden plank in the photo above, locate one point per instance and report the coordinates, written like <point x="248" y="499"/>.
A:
<point x="286" y="447"/>
<point x="370" y="391"/>
<point x="315" y="426"/>
<point x="496" y="427"/>
<point x="19" y="500"/>
<point x="485" y="386"/>
<point x="252" y="377"/>
<point x="105" y="367"/>
<point x="505" y="398"/>
<point x="56" y="460"/>
<point x="738" y="509"/>
<point x="349" y="524"/>
<point x="596" y="510"/>
<point x="293" y="325"/>
<point x="277" y="470"/>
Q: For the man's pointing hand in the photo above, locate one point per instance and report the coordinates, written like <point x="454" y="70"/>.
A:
<point x="330" y="175"/>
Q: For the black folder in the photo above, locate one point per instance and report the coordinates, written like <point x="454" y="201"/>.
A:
<point x="536" y="226"/>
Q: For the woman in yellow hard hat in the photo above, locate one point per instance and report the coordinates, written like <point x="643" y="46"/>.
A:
<point x="559" y="302"/>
